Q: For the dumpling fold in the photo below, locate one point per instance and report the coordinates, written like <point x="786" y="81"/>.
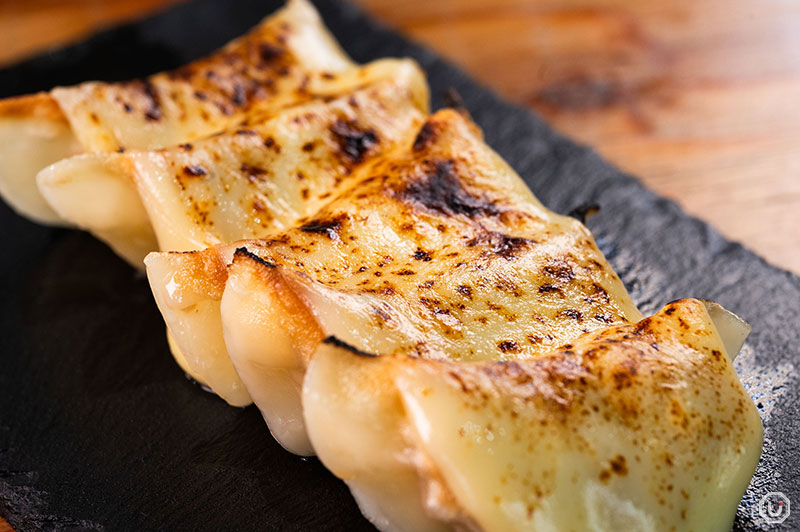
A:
<point x="640" y="427"/>
<point x="289" y="58"/>
<point x="438" y="248"/>
<point x="246" y="182"/>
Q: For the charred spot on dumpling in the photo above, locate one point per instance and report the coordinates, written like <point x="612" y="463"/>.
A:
<point x="601" y="292"/>
<point x="269" y="52"/>
<point x="464" y="290"/>
<point x="501" y="244"/>
<point x="245" y="253"/>
<point x="440" y="190"/>
<point x="425" y="137"/>
<point x="153" y="110"/>
<point x="239" y="96"/>
<point x="434" y="305"/>
<point x="224" y="107"/>
<point x="508" y="346"/>
<point x="605" y="317"/>
<point x="354" y="141"/>
<point x="383" y="312"/>
<point x="508" y="286"/>
<point x="560" y="269"/>
<point x="330" y="227"/>
<point x="194" y="170"/>
<point x="617" y="466"/>
<point x="253" y="173"/>
<point x="574" y="314"/>
<point x="421" y="254"/>
<point x="623" y="378"/>
<point x="643" y="327"/>
<point x="548" y="289"/>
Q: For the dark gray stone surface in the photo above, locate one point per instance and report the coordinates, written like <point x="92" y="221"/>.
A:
<point x="99" y="429"/>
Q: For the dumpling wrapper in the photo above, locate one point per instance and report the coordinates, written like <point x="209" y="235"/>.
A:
<point x="270" y="170"/>
<point x="252" y="182"/>
<point x="288" y="58"/>
<point x="640" y="427"/>
<point x="439" y="249"/>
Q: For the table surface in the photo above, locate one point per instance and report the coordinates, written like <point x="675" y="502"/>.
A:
<point x="699" y="98"/>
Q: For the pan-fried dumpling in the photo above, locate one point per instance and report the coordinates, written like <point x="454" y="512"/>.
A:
<point x="289" y="58"/>
<point x="250" y="183"/>
<point x="438" y="249"/>
<point x="638" y="427"/>
<point x="263" y="175"/>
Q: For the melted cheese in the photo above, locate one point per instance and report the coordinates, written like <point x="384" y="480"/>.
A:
<point x="244" y="183"/>
<point x="438" y="248"/>
<point x="289" y="58"/>
<point x="639" y="427"/>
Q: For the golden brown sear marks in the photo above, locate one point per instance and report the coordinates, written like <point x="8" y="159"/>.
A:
<point x="438" y="189"/>
<point x="423" y="229"/>
<point x="354" y="141"/>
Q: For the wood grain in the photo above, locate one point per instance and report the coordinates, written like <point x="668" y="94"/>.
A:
<point x="698" y="98"/>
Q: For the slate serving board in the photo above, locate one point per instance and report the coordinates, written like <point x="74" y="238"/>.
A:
<point x="100" y="430"/>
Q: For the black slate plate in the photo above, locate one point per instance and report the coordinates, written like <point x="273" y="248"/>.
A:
<point x="99" y="429"/>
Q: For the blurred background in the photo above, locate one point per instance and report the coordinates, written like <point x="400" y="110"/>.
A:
<point x="699" y="98"/>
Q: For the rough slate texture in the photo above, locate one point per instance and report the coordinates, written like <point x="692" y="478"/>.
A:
<point x="99" y="429"/>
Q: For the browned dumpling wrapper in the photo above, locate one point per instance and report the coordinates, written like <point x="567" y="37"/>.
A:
<point x="438" y="248"/>
<point x="640" y="427"/>
<point x="260" y="176"/>
<point x="289" y="58"/>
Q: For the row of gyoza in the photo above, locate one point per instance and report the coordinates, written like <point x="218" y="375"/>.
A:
<point x="390" y="294"/>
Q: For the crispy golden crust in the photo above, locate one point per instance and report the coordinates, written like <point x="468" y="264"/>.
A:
<point x="241" y="74"/>
<point x="474" y="247"/>
<point x="201" y="272"/>
<point x="629" y="365"/>
<point x="640" y="426"/>
<point x="287" y="59"/>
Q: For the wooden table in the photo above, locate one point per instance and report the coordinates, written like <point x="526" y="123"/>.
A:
<point x="701" y="99"/>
